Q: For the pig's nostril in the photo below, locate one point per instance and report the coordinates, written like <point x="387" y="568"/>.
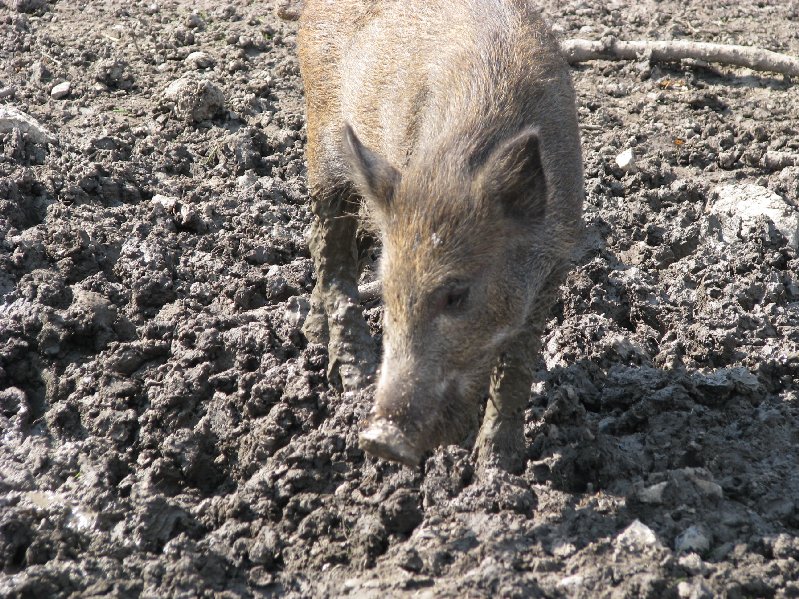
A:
<point x="385" y="440"/>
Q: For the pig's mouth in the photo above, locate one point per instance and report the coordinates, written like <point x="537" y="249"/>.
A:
<point x="385" y="440"/>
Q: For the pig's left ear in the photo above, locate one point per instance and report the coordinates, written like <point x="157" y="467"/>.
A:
<point x="372" y="174"/>
<point x="513" y="176"/>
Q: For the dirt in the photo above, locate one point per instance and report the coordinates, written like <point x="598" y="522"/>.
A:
<point x="167" y="431"/>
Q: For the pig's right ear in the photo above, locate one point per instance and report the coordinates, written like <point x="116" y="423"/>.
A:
<point x="514" y="176"/>
<point x="372" y="174"/>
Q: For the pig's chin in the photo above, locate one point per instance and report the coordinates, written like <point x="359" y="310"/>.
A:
<point x="446" y="419"/>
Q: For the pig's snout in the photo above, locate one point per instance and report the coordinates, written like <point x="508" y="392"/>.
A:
<point x="385" y="440"/>
<point x="393" y="428"/>
<point x="412" y="416"/>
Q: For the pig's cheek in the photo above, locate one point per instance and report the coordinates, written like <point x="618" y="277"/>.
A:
<point x="499" y="338"/>
<point x="453" y="382"/>
<point x="463" y="386"/>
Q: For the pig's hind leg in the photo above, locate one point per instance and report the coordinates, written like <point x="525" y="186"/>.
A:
<point x="500" y="441"/>
<point x="336" y="317"/>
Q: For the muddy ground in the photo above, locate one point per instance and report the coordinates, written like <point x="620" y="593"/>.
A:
<point x="165" y="429"/>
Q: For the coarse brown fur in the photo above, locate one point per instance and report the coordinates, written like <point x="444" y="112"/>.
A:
<point x="456" y="122"/>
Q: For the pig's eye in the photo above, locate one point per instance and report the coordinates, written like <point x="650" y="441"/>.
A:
<point x="456" y="298"/>
<point x="450" y="298"/>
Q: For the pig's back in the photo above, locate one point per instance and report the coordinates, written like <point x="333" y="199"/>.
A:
<point x="434" y="80"/>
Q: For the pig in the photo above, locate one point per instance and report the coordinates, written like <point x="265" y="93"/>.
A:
<point x="449" y="131"/>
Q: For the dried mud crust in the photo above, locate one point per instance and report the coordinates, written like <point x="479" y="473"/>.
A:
<point x="166" y="430"/>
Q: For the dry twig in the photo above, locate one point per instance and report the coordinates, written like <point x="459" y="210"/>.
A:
<point x="758" y="59"/>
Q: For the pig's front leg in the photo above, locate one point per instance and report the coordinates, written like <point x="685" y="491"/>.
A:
<point x="500" y="441"/>
<point x="336" y="317"/>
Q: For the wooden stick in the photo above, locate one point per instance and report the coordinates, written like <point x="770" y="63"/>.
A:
<point x="758" y="59"/>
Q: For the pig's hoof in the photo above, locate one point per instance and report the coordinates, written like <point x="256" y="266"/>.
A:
<point x="384" y="440"/>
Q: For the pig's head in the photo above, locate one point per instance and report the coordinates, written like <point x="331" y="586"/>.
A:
<point x="461" y="263"/>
